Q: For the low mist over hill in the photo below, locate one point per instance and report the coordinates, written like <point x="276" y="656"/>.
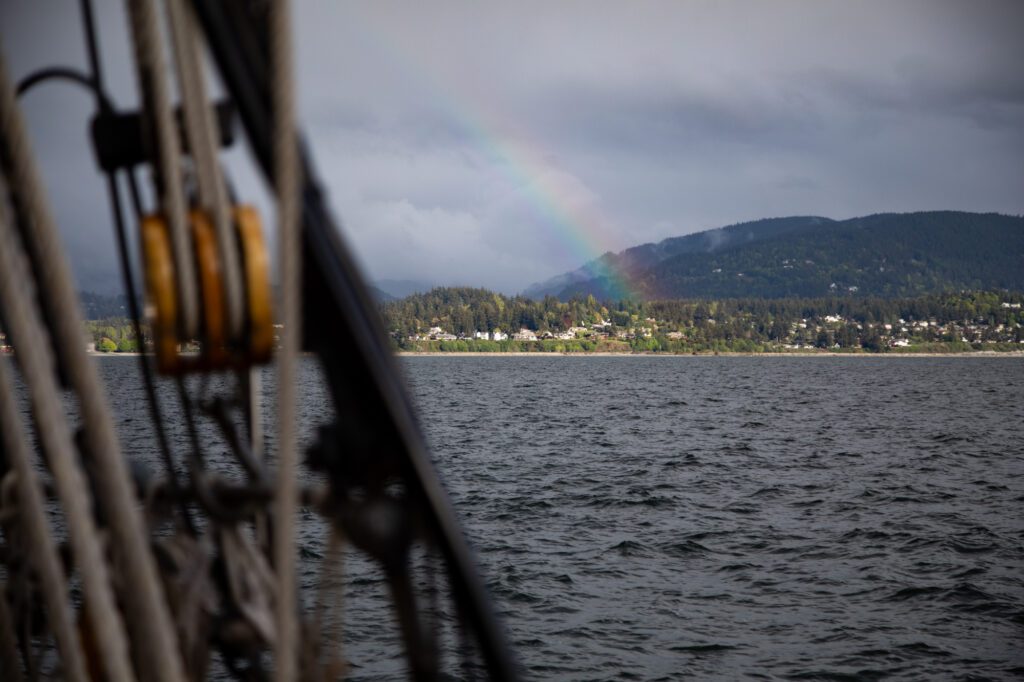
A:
<point x="886" y="255"/>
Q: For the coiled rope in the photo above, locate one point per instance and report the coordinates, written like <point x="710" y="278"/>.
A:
<point x="286" y="179"/>
<point x="146" y="609"/>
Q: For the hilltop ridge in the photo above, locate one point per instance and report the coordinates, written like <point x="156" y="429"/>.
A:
<point x="885" y="254"/>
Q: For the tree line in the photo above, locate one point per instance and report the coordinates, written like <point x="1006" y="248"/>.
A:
<point x="740" y="324"/>
<point x="112" y="335"/>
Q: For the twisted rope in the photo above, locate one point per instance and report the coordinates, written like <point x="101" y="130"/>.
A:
<point x="32" y="517"/>
<point x="10" y="662"/>
<point x="201" y="128"/>
<point x="146" y="609"/>
<point x="286" y="177"/>
<point x="153" y="86"/>
<point x="37" y="365"/>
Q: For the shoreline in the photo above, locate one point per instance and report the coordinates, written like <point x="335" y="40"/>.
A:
<point x="622" y="354"/>
<point x="604" y="354"/>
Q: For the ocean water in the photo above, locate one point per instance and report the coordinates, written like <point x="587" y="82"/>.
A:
<point x="726" y="517"/>
<point x="657" y="518"/>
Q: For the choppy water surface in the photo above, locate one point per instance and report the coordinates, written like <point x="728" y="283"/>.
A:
<point x="717" y="518"/>
<point x="646" y="518"/>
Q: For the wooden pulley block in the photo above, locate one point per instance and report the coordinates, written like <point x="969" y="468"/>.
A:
<point x="161" y="295"/>
<point x="211" y="287"/>
<point x="218" y="351"/>
<point x="256" y="271"/>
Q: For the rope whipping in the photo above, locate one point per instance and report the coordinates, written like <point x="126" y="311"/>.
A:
<point x="147" y="611"/>
<point x="286" y="180"/>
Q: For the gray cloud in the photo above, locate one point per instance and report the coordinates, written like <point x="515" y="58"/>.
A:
<point x="497" y="145"/>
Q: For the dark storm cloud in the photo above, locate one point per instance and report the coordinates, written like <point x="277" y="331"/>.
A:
<point x="458" y="139"/>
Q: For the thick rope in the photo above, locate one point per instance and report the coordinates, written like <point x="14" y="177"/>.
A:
<point x="37" y="365"/>
<point x="146" y="609"/>
<point x="286" y="178"/>
<point x="331" y="604"/>
<point x="37" y="368"/>
<point x="32" y="517"/>
<point x="10" y="661"/>
<point x="154" y="89"/>
<point x="201" y="128"/>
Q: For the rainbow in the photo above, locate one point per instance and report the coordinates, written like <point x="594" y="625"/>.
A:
<point x="582" y="230"/>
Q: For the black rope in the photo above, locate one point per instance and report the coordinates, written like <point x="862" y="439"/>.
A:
<point x="147" y="371"/>
<point x="90" y="45"/>
<point x="67" y="74"/>
<point x="127" y="273"/>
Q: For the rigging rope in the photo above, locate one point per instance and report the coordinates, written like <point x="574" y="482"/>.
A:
<point x="32" y="517"/>
<point x="10" y="663"/>
<point x="286" y="180"/>
<point x="201" y="129"/>
<point x="146" y="609"/>
<point x="37" y="367"/>
<point x="154" y="88"/>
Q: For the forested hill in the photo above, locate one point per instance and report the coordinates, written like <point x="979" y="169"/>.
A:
<point x="888" y="255"/>
<point x="99" y="306"/>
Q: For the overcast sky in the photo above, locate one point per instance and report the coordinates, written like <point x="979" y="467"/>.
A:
<point x="497" y="145"/>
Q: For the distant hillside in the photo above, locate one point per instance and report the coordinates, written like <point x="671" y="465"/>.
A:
<point x="400" y="288"/>
<point x="379" y="294"/>
<point x="886" y="255"/>
<point x="100" y="307"/>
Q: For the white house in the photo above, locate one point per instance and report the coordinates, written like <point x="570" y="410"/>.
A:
<point x="499" y="335"/>
<point x="524" y="335"/>
<point x="481" y="335"/>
